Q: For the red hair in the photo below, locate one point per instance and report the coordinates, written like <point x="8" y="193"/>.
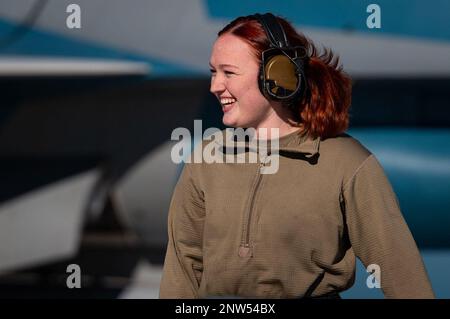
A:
<point x="324" y="107"/>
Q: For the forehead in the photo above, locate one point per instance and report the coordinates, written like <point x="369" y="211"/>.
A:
<point x="231" y="49"/>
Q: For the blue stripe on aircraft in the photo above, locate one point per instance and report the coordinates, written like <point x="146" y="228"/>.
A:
<point x="406" y="18"/>
<point x="43" y="43"/>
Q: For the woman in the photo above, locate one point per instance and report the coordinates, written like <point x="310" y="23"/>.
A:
<point x="238" y="233"/>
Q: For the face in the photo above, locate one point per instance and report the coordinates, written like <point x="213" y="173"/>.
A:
<point x="234" y="73"/>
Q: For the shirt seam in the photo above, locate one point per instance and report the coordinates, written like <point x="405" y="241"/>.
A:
<point x="356" y="171"/>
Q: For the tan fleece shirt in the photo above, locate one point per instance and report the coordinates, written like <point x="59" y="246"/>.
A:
<point x="238" y="233"/>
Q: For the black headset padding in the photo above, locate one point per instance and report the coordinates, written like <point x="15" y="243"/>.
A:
<point x="278" y="39"/>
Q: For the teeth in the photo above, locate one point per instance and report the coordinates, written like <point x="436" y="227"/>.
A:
<point x="225" y="101"/>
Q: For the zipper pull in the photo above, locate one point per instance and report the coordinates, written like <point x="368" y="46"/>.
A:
<point x="244" y="251"/>
<point x="264" y="160"/>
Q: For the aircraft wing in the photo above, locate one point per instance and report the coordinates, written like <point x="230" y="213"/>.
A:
<point x="16" y="66"/>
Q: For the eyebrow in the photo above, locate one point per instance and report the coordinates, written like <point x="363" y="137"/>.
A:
<point x="225" y="65"/>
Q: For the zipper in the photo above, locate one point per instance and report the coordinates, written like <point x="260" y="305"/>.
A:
<point x="244" y="248"/>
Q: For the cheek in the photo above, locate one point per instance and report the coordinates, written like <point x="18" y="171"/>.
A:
<point x="254" y="97"/>
<point x="248" y="91"/>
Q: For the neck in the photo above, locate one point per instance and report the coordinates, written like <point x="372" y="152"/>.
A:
<point x="281" y="120"/>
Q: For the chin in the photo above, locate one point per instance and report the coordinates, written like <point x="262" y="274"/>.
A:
<point x="229" y="122"/>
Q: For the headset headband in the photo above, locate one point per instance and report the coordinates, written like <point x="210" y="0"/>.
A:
<point x="275" y="32"/>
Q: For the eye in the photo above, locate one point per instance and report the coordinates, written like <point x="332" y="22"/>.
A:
<point x="212" y="71"/>
<point x="229" y="73"/>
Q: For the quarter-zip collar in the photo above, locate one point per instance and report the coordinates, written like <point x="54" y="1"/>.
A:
<point x="295" y="142"/>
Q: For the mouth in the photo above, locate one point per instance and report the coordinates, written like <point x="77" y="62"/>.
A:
<point x="227" y="104"/>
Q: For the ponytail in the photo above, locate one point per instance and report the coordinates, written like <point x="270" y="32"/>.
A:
<point x="325" y="105"/>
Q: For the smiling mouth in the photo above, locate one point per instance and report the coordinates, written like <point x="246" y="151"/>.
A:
<point x="227" y="107"/>
<point x="227" y="103"/>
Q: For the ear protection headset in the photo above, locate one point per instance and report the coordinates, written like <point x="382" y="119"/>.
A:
<point x="281" y="75"/>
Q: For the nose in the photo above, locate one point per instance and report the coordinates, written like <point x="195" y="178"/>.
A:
<point x="217" y="85"/>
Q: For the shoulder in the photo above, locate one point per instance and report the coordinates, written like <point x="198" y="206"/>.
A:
<point x="345" y="146"/>
<point x="345" y="153"/>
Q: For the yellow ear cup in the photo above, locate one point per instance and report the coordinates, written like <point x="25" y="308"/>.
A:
<point x="281" y="71"/>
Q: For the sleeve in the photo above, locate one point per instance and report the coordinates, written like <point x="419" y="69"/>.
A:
<point x="183" y="265"/>
<point x="379" y="234"/>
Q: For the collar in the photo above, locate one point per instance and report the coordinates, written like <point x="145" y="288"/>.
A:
<point x="295" y="142"/>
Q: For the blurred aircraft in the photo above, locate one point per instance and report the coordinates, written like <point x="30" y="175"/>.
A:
<point x="87" y="114"/>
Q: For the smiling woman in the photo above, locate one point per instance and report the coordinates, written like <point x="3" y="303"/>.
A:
<point x="236" y="69"/>
<point x="234" y="231"/>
